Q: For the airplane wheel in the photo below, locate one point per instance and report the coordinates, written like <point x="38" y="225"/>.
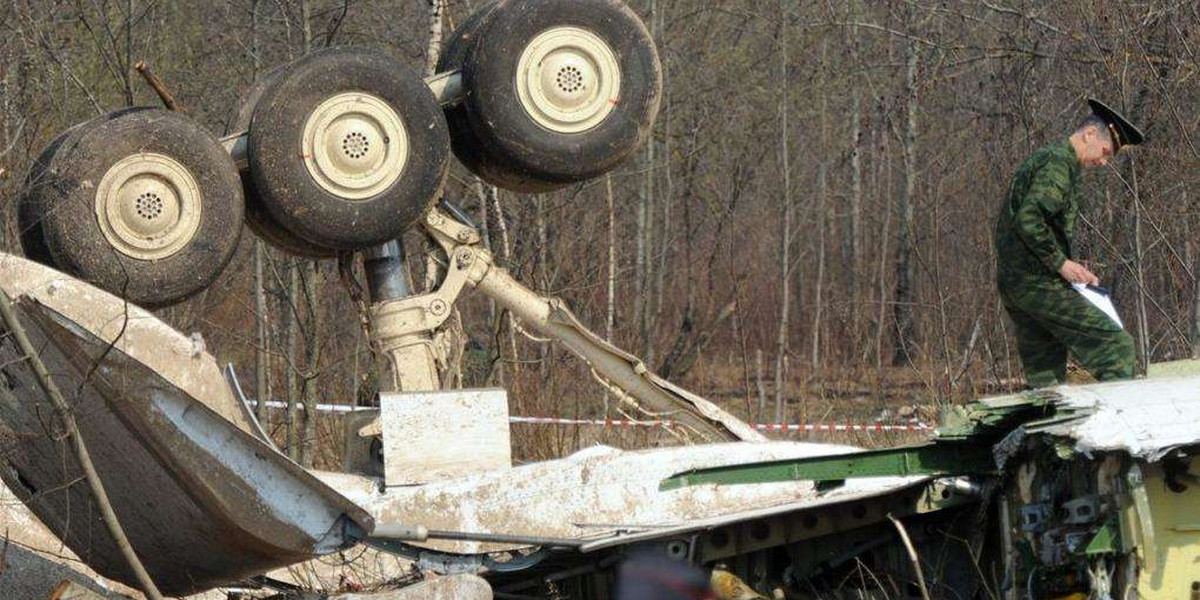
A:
<point x="141" y="202"/>
<point x="29" y="211"/>
<point x="348" y="149"/>
<point x="560" y="91"/>
<point x="258" y="219"/>
<point x="470" y="151"/>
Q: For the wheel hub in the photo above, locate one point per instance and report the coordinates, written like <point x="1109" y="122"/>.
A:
<point x="355" y="145"/>
<point x="148" y="206"/>
<point x="568" y="79"/>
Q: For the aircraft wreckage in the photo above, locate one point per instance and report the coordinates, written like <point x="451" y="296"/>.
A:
<point x="1070" y="492"/>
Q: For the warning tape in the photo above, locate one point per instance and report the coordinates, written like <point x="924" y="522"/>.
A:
<point x="777" y="427"/>
<point x="829" y="427"/>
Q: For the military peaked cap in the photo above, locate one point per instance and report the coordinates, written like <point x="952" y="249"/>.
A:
<point x="1123" y="132"/>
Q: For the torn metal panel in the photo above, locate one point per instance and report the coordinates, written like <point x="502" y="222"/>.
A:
<point x="1172" y="562"/>
<point x="853" y="493"/>
<point x="604" y="493"/>
<point x="925" y="459"/>
<point x="181" y="360"/>
<point x="1146" y="418"/>
<point x="203" y="501"/>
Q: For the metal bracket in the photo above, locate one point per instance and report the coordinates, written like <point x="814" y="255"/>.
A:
<point x="468" y="263"/>
<point x="401" y="328"/>
<point x="1141" y="505"/>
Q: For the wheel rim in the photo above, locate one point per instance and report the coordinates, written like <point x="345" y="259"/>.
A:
<point x="568" y="79"/>
<point x="355" y="145"/>
<point x="148" y="206"/>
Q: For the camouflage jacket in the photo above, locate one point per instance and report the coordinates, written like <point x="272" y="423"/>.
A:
<point x="1037" y="221"/>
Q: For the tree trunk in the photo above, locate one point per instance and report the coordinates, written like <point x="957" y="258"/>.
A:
<point x="1143" y="331"/>
<point x="760" y="386"/>
<point x="306" y="25"/>
<point x="293" y="353"/>
<point x="853" y="234"/>
<point x="645" y="296"/>
<point x="902" y="309"/>
<point x="610" y="311"/>
<point x="664" y="234"/>
<point x="262" y="370"/>
<point x="822" y="191"/>
<point x="785" y="261"/>
<point x="312" y="359"/>
<point x="262" y="390"/>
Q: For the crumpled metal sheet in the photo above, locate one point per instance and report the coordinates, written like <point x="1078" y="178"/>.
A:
<point x="1146" y="418"/>
<point x="181" y="360"/>
<point x="603" y="493"/>
<point x="204" y="501"/>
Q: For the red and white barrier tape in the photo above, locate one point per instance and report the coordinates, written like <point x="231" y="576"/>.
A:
<point x="778" y="427"/>
<point x="830" y="427"/>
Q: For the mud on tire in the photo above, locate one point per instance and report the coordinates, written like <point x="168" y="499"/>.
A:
<point x="141" y="202"/>
<point x="258" y="219"/>
<point x="467" y="146"/>
<point x="348" y="149"/>
<point x="556" y="91"/>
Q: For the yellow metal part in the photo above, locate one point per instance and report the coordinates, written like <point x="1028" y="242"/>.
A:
<point x="727" y="586"/>
<point x="1176" y="549"/>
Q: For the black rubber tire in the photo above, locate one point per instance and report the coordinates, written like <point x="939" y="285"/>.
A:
<point x="39" y="182"/>
<point x="73" y="237"/>
<point x="467" y="147"/>
<point x="289" y="192"/>
<point x="463" y="142"/>
<point x="249" y="98"/>
<point x="511" y="137"/>
<point x="258" y="219"/>
<point x="29" y="204"/>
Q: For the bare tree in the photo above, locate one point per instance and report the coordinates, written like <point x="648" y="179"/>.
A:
<point x="785" y="258"/>
<point x="906" y="267"/>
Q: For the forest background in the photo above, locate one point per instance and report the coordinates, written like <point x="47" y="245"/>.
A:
<point x="806" y="235"/>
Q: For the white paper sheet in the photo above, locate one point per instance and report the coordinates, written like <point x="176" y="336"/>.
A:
<point x="1100" y="300"/>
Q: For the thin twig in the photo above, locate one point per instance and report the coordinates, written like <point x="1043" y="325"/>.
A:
<point x="912" y="554"/>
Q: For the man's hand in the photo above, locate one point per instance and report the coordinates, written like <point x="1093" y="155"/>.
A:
<point x="1077" y="273"/>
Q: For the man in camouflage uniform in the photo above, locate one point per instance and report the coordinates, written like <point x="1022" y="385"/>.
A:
<point x="1034" y="267"/>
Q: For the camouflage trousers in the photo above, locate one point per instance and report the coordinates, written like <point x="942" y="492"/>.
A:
<point x="1051" y="318"/>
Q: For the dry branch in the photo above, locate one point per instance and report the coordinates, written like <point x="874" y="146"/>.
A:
<point x="157" y="85"/>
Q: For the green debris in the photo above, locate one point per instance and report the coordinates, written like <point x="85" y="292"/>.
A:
<point x="1105" y="541"/>
<point x="961" y="446"/>
<point x="930" y="459"/>
<point x="994" y="417"/>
